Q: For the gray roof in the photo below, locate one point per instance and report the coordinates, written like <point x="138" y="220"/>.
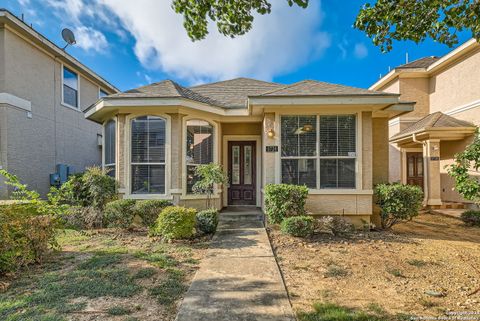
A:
<point x="435" y="120"/>
<point x="424" y="62"/>
<point x="319" y="88"/>
<point x="235" y="92"/>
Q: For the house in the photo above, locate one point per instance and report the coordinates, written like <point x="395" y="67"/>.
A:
<point x="332" y="138"/>
<point x="43" y="92"/>
<point x="447" y="95"/>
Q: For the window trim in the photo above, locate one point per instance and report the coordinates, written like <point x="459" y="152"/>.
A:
<point x="63" y="103"/>
<point x="114" y="119"/>
<point x="358" y="158"/>
<point x="214" y="124"/>
<point x="128" y="153"/>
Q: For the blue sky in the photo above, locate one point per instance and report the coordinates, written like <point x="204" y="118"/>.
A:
<point x="133" y="43"/>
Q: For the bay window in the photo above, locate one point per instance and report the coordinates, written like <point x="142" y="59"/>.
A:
<point x="319" y="151"/>
<point x="109" y="148"/>
<point x="148" y="157"/>
<point x="199" y="148"/>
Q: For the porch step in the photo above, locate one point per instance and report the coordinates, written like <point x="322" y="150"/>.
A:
<point x="241" y="215"/>
<point x="452" y="205"/>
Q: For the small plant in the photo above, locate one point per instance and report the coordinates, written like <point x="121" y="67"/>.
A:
<point x="398" y="202"/>
<point x="334" y="225"/>
<point x="175" y="222"/>
<point x="300" y="226"/>
<point x="208" y="176"/>
<point x="119" y="213"/>
<point x="396" y="273"/>
<point x="82" y="218"/>
<point x="335" y="271"/>
<point x="471" y="217"/>
<point x="148" y="210"/>
<point x="118" y="310"/>
<point x="207" y="221"/>
<point x="283" y="200"/>
<point x="333" y="312"/>
<point x="417" y="263"/>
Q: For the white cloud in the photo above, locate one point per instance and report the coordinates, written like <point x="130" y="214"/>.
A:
<point x="360" y="51"/>
<point x="90" y="39"/>
<point x="278" y="43"/>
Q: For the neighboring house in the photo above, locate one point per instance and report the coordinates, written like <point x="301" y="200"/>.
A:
<point x="447" y="95"/>
<point x="43" y="92"/>
<point x="332" y="138"/>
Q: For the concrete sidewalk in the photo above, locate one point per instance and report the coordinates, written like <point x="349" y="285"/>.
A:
<point x="239" y="278"/>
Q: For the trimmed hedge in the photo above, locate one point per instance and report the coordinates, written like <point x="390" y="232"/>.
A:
<point x="148" y="210"/>
<point x="175" y="222"/>
<point x="300" y="226"/>
<point x="119" y="213"/>
<point x="471" y="217"/>
<point x="207" y="220"/>
<point x="283" y="200"/>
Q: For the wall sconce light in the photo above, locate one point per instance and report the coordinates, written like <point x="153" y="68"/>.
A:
<point x="270" y="133"/>
<point x="99" y="140"/>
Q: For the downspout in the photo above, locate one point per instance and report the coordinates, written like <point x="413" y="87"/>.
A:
<point x="425" y="169"/>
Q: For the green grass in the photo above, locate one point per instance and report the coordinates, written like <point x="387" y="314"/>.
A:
<point x="333" y="312"/>
<point x="145" y="273"/>
<point x="161" y="260"/>
<point x="335" y="271"/>
<point x="117" y="310"/>
<point x="417" y="263"/>
<point x="169" y="290"/>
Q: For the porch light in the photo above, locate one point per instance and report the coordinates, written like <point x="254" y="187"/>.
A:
<point x="307" y="128"/>
<point x="270" y="133"/>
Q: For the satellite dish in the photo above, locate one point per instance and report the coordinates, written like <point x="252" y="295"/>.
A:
<point x="69" y="37"/>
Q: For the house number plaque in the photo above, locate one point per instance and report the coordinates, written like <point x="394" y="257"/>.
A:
<point x="271" y="149"/>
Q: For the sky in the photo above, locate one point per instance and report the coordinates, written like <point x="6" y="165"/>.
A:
<point x="134" y="43"/>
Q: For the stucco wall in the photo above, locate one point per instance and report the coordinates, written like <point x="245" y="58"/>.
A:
<point x="241" y="128"/>
<point x="54" y="133"/>
<point x="417" y="90"/>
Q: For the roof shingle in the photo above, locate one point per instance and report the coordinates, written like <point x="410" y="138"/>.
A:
<point x="424" y="62"/>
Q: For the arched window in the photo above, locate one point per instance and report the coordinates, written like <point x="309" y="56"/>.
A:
<point x="199" y="148"/>
<point x="109" y="148"/>
<point x="148" y="155"/>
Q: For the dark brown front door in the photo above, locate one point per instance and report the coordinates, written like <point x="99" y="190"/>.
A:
<point x="242" y="173"/>
<point x="415" y="169"/>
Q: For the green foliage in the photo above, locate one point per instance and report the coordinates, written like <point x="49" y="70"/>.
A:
<point x="414" y="20"/>
<point x="82" y="218"/>
<point x="336" y="225"/>
<point x="333" y="312"/>
<point x="26" y="235"/>
<point x="397" y="202"/>
<point x="233" y="17"/>
<point x="471" y="218"/>
<point x="300" y="226"/>
<point x="91" y="188"/>
<point x="118" y="310"/>
<point x="469" y="160"/>
<point x="149" y="210"/>
<point x="283" y="200"/>
<point x="119" y="213"/>
<point x="209" y="175"/>
<point x="175" y="222"/>
<point x="207" y="220"/>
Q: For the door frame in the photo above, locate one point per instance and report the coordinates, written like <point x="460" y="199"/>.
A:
<point x="258" y="143"/>
<point x="404" y="168"/>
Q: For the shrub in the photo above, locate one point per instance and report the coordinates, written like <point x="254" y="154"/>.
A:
<point x="91" y="188"/>
<point x="283" y="200"/>
<point x="207" y="220"/>
<point x="300" y="226"/>
<point x="25" y="236"/>
<point x="208" y="175"/>
<point x="471" y="217"/>
<point x="119" y="213"/>
<point x="175" y="222"/>
<point x="82" y="218"/>
<point x="335" y="225"/>
<point x="397" y="202"/>
<point x="149" y="210"/>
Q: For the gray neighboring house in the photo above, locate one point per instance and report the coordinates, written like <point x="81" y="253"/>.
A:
<point x="43" y="93"/>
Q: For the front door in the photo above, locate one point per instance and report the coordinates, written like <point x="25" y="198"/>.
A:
<point x="242" y="173"/>
<point x="415" y="169"/>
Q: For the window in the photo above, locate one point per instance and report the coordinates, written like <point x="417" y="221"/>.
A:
<point x="102" y="93"/>
<point x="319" y="151"/>
<point x="148" y="155"/>
<point x="109" y="148"/>
<point x="70" y="87"/>
<point x="199" y="148"/>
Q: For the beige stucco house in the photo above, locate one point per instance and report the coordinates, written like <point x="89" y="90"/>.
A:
<point x="447" y="95"/>
<point x="43" y="92"/>
<point x="332" y="138"/>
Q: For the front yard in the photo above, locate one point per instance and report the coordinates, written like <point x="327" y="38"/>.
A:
<point x="107" y="274"/>
<point x="427" y="267"/>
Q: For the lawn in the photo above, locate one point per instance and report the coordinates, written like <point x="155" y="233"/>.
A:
<point x="103" y="275"/>
<point x="426" y="267"/>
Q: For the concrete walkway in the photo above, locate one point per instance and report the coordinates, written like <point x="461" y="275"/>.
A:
<point x="238" y="280"/>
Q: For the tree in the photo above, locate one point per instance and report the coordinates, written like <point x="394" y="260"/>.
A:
<point x="469" y="160"/>
<point x="233" y="17"/>
<point x="416" y="20"/>
<point x="208" y="176"/>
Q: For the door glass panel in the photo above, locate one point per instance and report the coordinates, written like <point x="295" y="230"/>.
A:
<point x="419" y="166"/>
<point x="247" y="163"/>
<point x="411" y="165"/>
<point x="236" y="165"/>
